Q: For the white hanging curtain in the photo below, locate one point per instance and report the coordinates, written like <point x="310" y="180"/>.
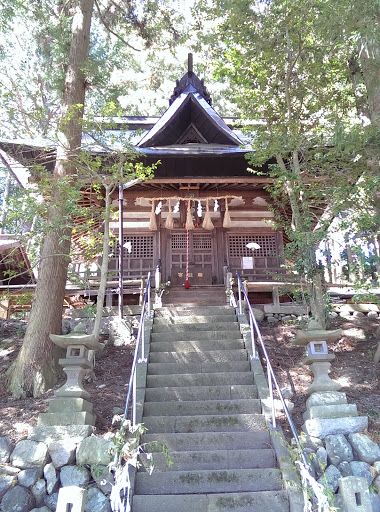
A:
<point x="169" y="223"/>
<point x="207" y="222"/>
<point x="153" y="222"/>
<point x="189" y="219"/>
<point x="227" y="218"/>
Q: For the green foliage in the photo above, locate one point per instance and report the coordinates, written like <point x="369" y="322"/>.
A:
<point x="126" y="444"/>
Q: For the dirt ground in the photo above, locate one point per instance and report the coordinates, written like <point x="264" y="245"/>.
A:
<point x="353" y="368"/>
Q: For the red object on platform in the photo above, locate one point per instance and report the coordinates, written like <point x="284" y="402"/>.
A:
<point x="187" y="284"/>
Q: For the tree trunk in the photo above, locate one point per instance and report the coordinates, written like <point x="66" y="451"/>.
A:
<point x="4" y="206"/>
<point x="104" y="267"/>
<point x="35" y="369"/>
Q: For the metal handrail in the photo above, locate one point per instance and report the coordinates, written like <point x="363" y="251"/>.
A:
<point x="304" y="467"/>
<point x="145" y="311"/>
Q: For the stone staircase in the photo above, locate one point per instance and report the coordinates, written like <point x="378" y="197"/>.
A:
<point x="201" y="401"/>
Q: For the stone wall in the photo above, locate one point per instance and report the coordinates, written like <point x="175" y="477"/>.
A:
<point x="337" y="455"/>
<point x="32" y="472"/>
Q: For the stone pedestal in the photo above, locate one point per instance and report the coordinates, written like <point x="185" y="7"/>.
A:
<point x="355" y="494"/>
<point x="319" y="360"/>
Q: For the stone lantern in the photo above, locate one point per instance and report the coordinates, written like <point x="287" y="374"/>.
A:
<point x="70" y="405"/>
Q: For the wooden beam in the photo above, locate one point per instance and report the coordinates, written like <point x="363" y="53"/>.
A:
<point x="210" y="180"/>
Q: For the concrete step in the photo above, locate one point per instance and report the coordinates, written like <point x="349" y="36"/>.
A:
<point x="196" y="346"/>
<point x="192" y="393"/>
<point x="200" y="319"/>
<point x="271" y="501"/>
<point x="199" y="379"/>
<point x="176" y="311"/>
<point x="176" y="368"/>
<point x="204" y="407"/>
<point x="208" y="441"/>
<point x="211" y="460"/>
<point x="196" y="327"/>
<point x="216" y="356"/>
<point x="196" y="482"/>
<point x="192" y="335"/>
<point x="207" y="423"/>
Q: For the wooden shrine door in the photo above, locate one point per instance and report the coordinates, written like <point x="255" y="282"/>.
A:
<point x="200" y="254"/>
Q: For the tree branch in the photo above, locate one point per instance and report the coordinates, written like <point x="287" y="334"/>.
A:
<point x="111" y="31"/>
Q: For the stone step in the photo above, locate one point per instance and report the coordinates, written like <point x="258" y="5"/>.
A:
<point x="176" y="368"/>
<point x="196" y="346"/>
<point x="206" y="423"/>
<point x="192" y="393"/>
<point x="210" y="460"/>
<point x="176" y="311"/>
<point x="192" y="335"/>
<point x="196" y="482"/>
<point x="205" y="407"/>
<point x="200" y="319"/>
<point x="271" y="501"/>
<point x="196" y="327"/>
<point x="198" y="379"/>
<point x="208" y="441"/>
<point x="216" y="356"/>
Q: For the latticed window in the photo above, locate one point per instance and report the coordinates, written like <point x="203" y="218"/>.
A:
<point x="140" y="247"/>
<point x="202" y="241"/>
<point x="179" y="241"/>
<point x="238" y="246"/>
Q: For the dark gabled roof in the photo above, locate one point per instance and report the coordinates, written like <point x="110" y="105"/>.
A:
<point x="190" y="118"/>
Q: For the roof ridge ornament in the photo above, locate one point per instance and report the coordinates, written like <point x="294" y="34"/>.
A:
<point x="190" y="79"/>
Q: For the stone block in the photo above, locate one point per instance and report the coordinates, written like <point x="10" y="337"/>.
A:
<point x="323" y="427"/>
<point x="96" y="500"/>
<point x="58" y="432"/>
<point x="345" y="468"/>
<point x="6" y="482"/>
<point x="17" y="499"/>
<point x="5" y="469"/>
<point x="94" y="450"/>
<point x="70" y="404"/>
<point x="51" y="477"/>
<point x="363" y="470"/>
<point x="71" y="498"/>
<point x="103" y="477"/>
<point x="29" y="454"/>
<point x="326" y="398"/>
<point x="330" y="478"/>
<point x="355" y="494"/>
<point x="77" y="476"/>
<point x="338" y="449"/>
<point x="28" y="477"/>
<point x="39" y="491"/>
<point x="318" y="358"/>
<point x="366" y="450"/>
<point x="5" y="449"/>
<point x="141" y="373"/>
<point x="62" y="452"/>
<point x="330" y="411"/>
<point x="66" y="418"/>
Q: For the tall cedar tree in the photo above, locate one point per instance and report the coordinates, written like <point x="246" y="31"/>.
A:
<point x="35" y="369"/>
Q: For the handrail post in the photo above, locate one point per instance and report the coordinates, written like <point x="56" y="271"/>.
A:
<point x="149" y="306"/>
<point x="270" y="384"/>
<point x="254" y="354"/>
<point x="134" y="405"/>
<point x="239" y="291"/>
